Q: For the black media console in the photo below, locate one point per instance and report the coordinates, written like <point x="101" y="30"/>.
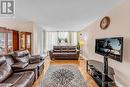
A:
<point x="95" y="69"/>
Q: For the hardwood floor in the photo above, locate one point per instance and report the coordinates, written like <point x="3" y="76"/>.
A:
<point x="81" y="65"/>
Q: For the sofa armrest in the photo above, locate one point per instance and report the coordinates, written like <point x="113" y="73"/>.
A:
<point x="20" y="65"/>
<point x="38" y="56"/>
<point x="51" y="53"/>
<point x="6" y="85"/>
<point x="40" y="68"/>
<point x="77" y="51"/>
<point x="34" y="59"/>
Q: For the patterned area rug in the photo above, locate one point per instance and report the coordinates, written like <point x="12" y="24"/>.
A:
<point x="63" y="76"/>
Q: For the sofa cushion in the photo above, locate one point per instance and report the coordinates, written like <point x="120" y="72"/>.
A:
<point x="18" y="53"/>
<point x="57" y="50"/>
<point x="5" y="71"/>
<point x="23" y="59"/>
<point x="64" y="47"/>
<point x="9" y="59"/>
<point x="68" y="51"/>
<point x="64" y="50"/>
<point x="30" y="67"/>
<point x="6" y="85"/>
<point x="27" y="53"/>
<point x="19" y="65"/>
<point x="71" y="50"/>
<point x="56" y="54"/>
<point x="14" y="77"/>
<point x="21" y="79"/>
<point x="2" y="60"/>
<point x="22" y="56"/>
<point x="71" y="47"/>
<point x="26" y="80"/>
<point x="34" y="60"/>
<point x="57" y="47"/>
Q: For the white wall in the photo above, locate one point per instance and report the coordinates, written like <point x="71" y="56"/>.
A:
<point x="120" y="26"/>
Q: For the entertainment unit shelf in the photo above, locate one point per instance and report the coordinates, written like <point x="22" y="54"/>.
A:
<point x="95" y="69"/>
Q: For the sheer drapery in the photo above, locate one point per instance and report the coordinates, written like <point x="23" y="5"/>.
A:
<point x="74" y="39"/>
<point x="60" y="38"/>
<point x="51" y="39"/>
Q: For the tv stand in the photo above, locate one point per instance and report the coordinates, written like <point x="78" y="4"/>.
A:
<point x="96" y="70"/>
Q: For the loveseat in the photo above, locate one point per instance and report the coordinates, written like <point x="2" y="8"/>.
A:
<point x="64" y="53"/>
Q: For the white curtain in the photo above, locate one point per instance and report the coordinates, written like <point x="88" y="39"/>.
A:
<point x="51" y="40"/>
<point x="74" y="38"/>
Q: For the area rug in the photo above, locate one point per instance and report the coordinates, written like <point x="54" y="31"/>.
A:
<point x="63" y="76"/>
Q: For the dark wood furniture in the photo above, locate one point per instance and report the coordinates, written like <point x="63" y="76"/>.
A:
<point x="15" y="40"/>
<point x="25" y="41"/>
<point x="64" y="53"/>
<point x="95" y="69"/>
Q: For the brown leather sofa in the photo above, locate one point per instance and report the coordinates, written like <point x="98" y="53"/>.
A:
<point x="9" y="78"/>
<point x="64" y="52"/>
<point x="22" y="65"/>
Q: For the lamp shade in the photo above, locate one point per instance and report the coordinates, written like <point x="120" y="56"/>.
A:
<point x="82" y="42"/>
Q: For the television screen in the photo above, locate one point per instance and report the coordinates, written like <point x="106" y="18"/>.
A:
<point x="113" y="47"/>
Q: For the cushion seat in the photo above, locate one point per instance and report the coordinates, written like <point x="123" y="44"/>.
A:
<point x="65" y="53"/>
<point x="30" y="67"/>
<point x="72" y="53"/>
<point x="21" y="79"/>
<point x="6" y="85"/>
<point x="26" y="80"/>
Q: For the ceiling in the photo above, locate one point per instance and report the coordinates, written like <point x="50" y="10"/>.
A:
<point x="62" y="15"/>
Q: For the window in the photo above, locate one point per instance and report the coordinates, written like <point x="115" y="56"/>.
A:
<point x="51" y="39"/>
<point x="60" y="38"/>
<point x="63" y="37"/>
<point x="6" y="45"/>
<point x="2" y="43"/>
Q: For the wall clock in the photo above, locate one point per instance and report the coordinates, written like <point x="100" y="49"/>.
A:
<point x="105" y="22"/>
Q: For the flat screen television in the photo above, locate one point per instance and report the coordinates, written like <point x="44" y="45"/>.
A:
<point x="113" y="47"/>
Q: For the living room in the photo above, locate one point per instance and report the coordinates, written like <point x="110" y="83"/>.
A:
<point x="64" y="35"/>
